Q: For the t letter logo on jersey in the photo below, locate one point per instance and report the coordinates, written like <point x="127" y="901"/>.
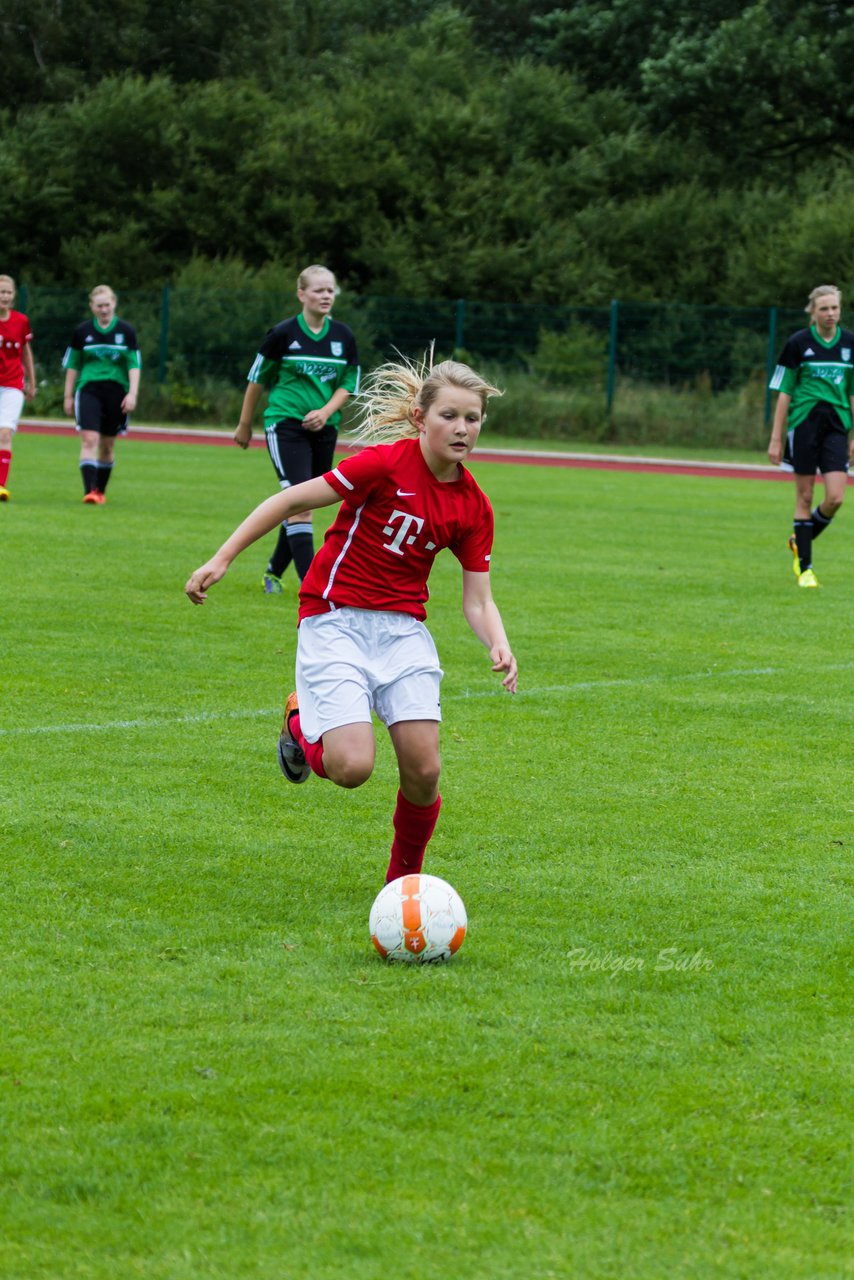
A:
<point x="403" y="534"/>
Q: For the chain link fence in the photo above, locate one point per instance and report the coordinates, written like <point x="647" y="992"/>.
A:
<point x="198" y="345"/>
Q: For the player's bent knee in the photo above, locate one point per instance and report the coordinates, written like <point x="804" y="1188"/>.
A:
<point x="349" y="754"/>
<point x="349" y="773"/>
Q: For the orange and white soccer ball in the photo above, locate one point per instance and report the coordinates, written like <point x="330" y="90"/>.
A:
<point x="418" y="919"/>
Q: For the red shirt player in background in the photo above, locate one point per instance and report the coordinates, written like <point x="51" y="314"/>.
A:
<point x="17" y="375"/>
<point x="362" y="643"/>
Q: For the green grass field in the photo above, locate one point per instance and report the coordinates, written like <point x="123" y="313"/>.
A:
<point x="634" y="1069"/>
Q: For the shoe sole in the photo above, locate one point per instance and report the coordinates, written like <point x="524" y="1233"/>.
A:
<point x="302" y="774"/>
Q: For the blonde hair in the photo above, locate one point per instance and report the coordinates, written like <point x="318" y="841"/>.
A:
<point x="821" y="291"/>
<point x="103" y="288"/>
<point x="393" y="390"/>
<point x="307" y="272"/>
<point x="10" y="280"/>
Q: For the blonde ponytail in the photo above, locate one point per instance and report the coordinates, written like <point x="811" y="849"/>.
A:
<point x="392" y="391"/>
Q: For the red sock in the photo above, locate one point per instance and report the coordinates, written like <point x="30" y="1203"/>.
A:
<point x="5" y="463"/>
<point x="414" y="824"/>
<point x="313" y="751"/>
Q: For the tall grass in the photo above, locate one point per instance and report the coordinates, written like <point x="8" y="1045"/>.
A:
<point x="642" y="414"/>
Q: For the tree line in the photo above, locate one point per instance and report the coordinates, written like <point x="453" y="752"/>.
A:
<point x="505" y="151"/>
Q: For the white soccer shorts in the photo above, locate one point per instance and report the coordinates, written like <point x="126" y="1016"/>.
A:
<point x="354" y="661"/>
<point x="11" y="405"/>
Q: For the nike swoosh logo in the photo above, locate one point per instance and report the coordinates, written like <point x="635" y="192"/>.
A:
<point x="401" y="494"/>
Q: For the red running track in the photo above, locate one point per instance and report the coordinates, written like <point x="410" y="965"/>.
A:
<point x="529" y="458"/>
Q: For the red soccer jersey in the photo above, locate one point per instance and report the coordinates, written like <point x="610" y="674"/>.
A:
<point x="14" y="336"/>
<point x="394" y="520"/>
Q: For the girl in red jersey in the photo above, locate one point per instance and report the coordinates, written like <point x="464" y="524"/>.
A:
<point x="362" y="644"/>
<point x="17" y="375"/>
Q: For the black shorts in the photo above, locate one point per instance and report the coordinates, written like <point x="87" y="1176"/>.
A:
<point x="98" y="407"/>
<point x="298" y="454"/>
<point x="819" y="443"/>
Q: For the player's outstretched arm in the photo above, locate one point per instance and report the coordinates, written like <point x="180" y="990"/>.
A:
<point x="481" y="613"/>
<point x="270" y="513"/>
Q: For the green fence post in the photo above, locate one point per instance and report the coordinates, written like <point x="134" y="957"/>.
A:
<point x="771" y="359"/>
<point x="612" y="353"/>
<point x="460" y="325"/>
<point x="164" y="334"/>
<point x="23" y="297"/>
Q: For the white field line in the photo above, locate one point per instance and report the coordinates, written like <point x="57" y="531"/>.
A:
<point x="580" y="686"/>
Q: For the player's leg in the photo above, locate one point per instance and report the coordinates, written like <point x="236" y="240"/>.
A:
<point x="408" y="703"/>
<point x="276" y="439"/>
<point x="804" y="448"/>
<point x="835" y="483"/>
<point x="106" y="462"/>
<point x="113" y="424"/>
<point x="345" y="755"/>
<point x="348" y="754"/>
<point x="5" y="460"/>
<point x="833" y="465"/>
<point x="416" y="744"/>
<point x="87" y="414"/>
<point x="787" y="464"/>
<point x="11" y="407"/>
<point x="312" y="456"/>
<point x="8" y="424"/>
<point x="328" y="728"/>
<point x="802" y="523"/>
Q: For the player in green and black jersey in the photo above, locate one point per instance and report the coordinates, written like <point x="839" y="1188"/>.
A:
<point x="102" y="371"/>
<point x="309" y="367"/>
<point x="815" y="381"/>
